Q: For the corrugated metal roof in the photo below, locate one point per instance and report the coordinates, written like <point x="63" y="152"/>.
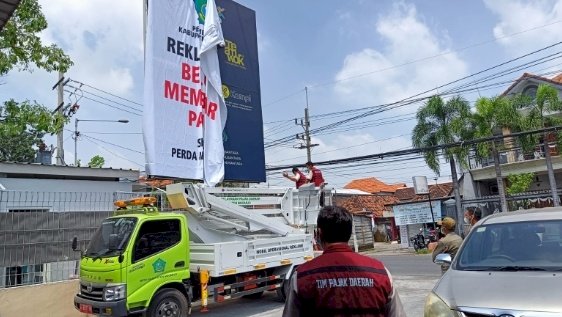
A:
<point x="345" y="191"/>
<point x="7" y="8"/>
<point x="41" y="170"/>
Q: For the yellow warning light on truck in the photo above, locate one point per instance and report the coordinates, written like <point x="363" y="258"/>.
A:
<point x="139" y="201"/>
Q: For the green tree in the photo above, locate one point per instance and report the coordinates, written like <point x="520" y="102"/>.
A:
<point x="23" y="126"/>
<point x="97" y="161"/>
<point x="540" y="115"/>
<point x="21" y="46"/>
<point x="439" y="123"/>
<point x="519" y="183"/>
<point x="493" y="117"/>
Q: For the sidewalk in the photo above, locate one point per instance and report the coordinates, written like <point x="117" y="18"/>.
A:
<point x="385" y="248"/>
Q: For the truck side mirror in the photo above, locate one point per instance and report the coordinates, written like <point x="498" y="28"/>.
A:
<point x="74" y="243"/>
<point x="443" y="258"/>
<point x="113" y="241"/>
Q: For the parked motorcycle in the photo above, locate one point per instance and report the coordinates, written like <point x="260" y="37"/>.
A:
<point x="419" y="241"/>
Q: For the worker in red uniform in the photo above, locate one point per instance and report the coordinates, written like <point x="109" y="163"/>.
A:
<point x="341" y="282"/>
<point x="298" y="177"/>
<point x="314" y="175"/>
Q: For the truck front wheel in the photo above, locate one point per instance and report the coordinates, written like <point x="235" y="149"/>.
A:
<point x="168" y="302"/>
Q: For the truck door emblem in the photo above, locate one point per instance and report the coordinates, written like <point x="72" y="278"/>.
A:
<point x="159" y="266"/>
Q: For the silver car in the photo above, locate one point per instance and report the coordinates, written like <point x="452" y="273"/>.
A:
<point x="510" y="265"/>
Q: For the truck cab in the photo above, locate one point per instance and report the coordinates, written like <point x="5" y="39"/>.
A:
<point x="131" y="259"/>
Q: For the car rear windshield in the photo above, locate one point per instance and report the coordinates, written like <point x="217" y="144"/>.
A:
<point x="513" y="246"/>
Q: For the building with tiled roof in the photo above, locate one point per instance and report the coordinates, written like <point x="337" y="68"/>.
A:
<point x="437" y="191"/>
<point x="373" y="185"/>
<point x="528" y="83"/>
<point x="367" y="204"/>
<point x="514" y="160"/>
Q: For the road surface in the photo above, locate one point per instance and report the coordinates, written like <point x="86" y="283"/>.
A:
<point x="414" y="277"/>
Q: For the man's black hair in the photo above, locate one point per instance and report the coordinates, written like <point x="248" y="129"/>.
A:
<point x="308" y="163"/>
<point x="477" y="214"/>
<point x="335" y="223"/>
<point x="295" y="169"/>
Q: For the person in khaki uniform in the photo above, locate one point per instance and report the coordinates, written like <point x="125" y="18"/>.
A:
<point x="449" y="244"/>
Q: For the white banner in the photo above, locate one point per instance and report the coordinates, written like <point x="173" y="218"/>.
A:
<point x="409" y="214"/>
<point x="184" y="112"/>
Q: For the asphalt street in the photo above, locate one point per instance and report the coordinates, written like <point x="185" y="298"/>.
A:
<point x="414" y="276"/>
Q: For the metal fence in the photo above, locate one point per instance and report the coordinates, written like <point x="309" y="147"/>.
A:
<point x="491" y="204"/>
<point x="37" y="228"/>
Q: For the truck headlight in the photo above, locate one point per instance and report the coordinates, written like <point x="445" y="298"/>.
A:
<point x="436" y="307"/>
<point x="115" y="292"/>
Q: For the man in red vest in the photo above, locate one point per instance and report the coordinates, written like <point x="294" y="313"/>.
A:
<point x="341" y="282"/>
<point x="299" y="178"/>
<point x="314" y="175"/>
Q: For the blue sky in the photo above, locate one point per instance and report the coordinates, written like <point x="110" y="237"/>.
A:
<point x="317" y="44"/>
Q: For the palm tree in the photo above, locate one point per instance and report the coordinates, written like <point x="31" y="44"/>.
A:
<point x="540" y="115"/>
<point x="442" y="123"/>
<point x="493" y="116"/>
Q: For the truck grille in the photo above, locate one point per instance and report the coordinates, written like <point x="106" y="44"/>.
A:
<point x="91" y="292"/>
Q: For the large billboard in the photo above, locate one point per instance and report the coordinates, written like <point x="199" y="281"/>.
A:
<point x="243" y="135"/>
<point x="183" y="115"/>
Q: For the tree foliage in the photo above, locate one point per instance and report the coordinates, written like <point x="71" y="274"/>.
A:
<point x="539" y="114"/>
<point x="440" y="122"/>
<point x="22" y="126"/>
<point x="492" y="115"/>
<point x="96" y="162"/>
<point x="21" y="46"/>
<point x="519" y="183"/>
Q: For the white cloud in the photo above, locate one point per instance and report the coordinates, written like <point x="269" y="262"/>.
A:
<point x="407" y="38"/>
<point x="104" y="46"/>
<point x="516" y="16"/>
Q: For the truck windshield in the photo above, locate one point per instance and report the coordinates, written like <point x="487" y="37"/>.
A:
<point x="518" y="246"/>
<point x="111" y="237"/>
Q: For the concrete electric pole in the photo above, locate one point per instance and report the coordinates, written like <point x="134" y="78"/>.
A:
<point x="60" y="105"/>
<point x="306" y="136"/>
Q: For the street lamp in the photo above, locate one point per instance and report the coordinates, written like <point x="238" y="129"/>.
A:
<point x="77" y="134"/>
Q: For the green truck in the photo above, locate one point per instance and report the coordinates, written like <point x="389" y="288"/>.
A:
<point x="143" y="261"/>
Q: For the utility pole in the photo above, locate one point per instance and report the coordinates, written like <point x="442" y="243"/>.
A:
<point x="306" y="136"/>
<point x="60" y="134"/>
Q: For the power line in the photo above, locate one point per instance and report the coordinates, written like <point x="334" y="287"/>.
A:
<point x="113" y="133"/>
<point x="409" y="100"/>
<point x="110" y="105"/>
<point x="111" y="152"/>
<point x="113" y="144"/>
<point x="423" y="150"/>
<point x="106" y="92"/>
<point x="423" y="59"/>
<point x="107" y="99"/>
<point x="349" y="147"/>
<point x="116" y="145"/>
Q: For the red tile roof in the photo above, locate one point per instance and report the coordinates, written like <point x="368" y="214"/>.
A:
<point x="372" y="204"/>
<point x="556" y="81"/>
<point x="373" y="185"/>
<point x="437" y="191"/>
<point x="155" y="182"/>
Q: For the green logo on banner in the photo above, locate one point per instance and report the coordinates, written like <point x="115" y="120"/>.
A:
<point x="159" y="266"/>
<point x="201" y="6"/>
